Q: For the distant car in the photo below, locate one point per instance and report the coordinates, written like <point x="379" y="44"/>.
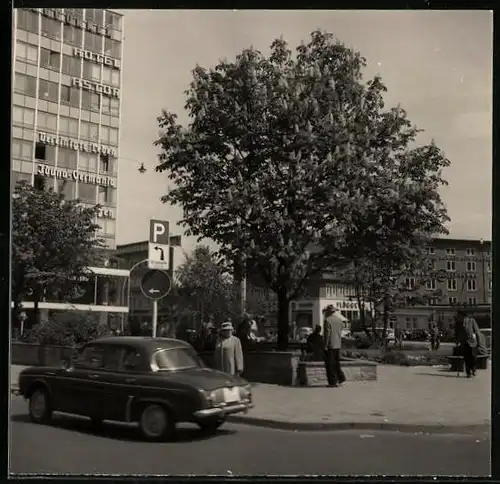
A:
<point x="156" y="382"/>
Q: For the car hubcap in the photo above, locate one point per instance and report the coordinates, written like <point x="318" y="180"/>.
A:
<point x="38" y="404"/>
<point x="154" y="421"/>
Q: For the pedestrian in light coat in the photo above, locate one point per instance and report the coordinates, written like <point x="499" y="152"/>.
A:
<point x="332" y="335"/>
<point x="228" y="351"/>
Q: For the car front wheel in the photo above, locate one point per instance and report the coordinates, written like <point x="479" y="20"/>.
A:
<point x="40" y="408"/>
<point x="211" y="425"/>
<point x="156" y="423"/>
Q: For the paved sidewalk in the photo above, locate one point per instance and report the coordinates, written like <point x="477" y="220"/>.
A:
<point x="415" y="399"/>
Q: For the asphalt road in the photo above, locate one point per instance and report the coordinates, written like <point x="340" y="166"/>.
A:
<point x="70" y="445"/>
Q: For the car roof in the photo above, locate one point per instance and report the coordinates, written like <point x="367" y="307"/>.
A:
<point x="143" y="342"/>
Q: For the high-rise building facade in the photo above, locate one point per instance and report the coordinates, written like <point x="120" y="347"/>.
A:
<point x="65" y="127"/>
<point x="66" y="105"/>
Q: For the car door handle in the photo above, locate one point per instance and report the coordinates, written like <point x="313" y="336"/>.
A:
<point x="94" y="376"/>
<point x="130" y="380"/>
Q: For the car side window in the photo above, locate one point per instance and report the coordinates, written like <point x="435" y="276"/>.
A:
<point x="132" y="360"/>
<point x="112" y="357"/>
<point x="90" y="357"/>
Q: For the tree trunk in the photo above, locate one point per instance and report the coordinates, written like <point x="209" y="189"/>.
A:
<point x="385" y="318"/>
<point x="283" y="323"/>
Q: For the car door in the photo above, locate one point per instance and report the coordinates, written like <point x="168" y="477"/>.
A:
<point x="77" y="388"/>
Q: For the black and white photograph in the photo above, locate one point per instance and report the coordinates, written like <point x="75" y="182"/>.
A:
<point x="251" y="242"/>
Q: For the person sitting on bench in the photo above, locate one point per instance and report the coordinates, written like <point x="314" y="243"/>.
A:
<point x="467" y="335"/>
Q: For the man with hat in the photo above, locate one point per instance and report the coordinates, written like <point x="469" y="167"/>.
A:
<point x="228" y="351"/>
<point x="332" y="335"/>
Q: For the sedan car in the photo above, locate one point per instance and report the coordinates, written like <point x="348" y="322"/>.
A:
<point x="155" y="382"/>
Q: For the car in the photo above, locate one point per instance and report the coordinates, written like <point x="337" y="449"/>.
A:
<point x="154" y="382"/>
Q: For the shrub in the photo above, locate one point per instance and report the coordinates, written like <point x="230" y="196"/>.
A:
<point x="66" y="329"/>
<point x="395" y="358"/>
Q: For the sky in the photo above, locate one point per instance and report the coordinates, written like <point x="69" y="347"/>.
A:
<point x="437" y="64"/>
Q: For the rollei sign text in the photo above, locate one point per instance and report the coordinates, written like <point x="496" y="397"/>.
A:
<point x="68" y="19"/>
<point x="47" y="170"/>
<point x="97" y="58"/>
<point x="95" y="87"/>
<point x="72" y="144"/>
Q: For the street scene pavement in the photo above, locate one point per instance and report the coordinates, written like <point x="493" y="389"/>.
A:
<point x="443" y="421"/>
<point x="72" y="446"/>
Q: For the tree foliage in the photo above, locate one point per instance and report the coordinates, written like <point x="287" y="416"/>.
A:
<point x="287" y="152"/>
<point x="53" y="243"/>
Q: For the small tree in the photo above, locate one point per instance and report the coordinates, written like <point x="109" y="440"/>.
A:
<point x="283" y="153"/>
<point x="53" y="243"/>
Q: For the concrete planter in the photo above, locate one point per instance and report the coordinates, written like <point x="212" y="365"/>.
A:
<point x="313" y="373"/>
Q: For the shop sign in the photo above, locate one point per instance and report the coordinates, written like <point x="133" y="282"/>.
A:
<point x="346" y="305"/>
<point x="106" y="213"/>
<point x="96" y="87"/>
<point x="68" y="19"/>
<point x="97" y="58"/>
<point x="75" y="175"/>
<point x="54" y="140"/>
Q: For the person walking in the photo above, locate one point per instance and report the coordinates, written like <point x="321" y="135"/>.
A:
<point x="332" y="334"/>
<point x="228" y="351"/>
<point x="467" y="337"/>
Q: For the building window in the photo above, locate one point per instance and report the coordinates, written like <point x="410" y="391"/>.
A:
<point x="450" y="251"/>
<point x="105" y="165"/>
<point x="87" y="192"/>
<point x="40" y="183"/>
<point x="95" y="102"/>
<point x="115" y="107"/>
<point x="106" y="196"/>
<point x="91" y="71"/>
<point x="113" y="20"/>
<point x="67" y="188"/>
<point x="23" y="116"/>
<point x="112" y="48"/>
<point x="22" y="149"/>
<point x="50" y="59"/>
<point x="71" y="66"/>
<point x="72" y="35"/>
<point x="48" y="91"/>
<point x="47" y="122"/>
<point x="452" y="300"/>
<point x="410" y="283"/>
<point x="26" y="52"/>
<point x="452" y="284"/>
<point x="431" y="285"/>
<point x="471" y="301"/>
<point x="40" y="151"/>
<point x="87" y="162"/>
<point x="27" y="20"/>
<point x="470" y="252"/>
<point x="431" y="250"/>
<point x="68" y="126"/>
<point x="67" y="159"/>
<point x="450" y="266"/>
<point x="471" y="285"/>
<point x="51" y="28"/>
<point x="471" y="266"/>
<point x="93" y="42"/>
<point x="25" y="84"/>
<point x="113" y="136"/>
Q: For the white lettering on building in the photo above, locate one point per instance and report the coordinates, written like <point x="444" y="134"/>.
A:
<point x="97" y="58"/>
<point x="95" y="87"/>
<point x="68" y="19"/>
<point x="54" y="140"/>
<point x="63" y="173"/>
<point x="106" y="213"/>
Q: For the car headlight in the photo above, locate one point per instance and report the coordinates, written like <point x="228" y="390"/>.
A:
<point x="246" y="392"/>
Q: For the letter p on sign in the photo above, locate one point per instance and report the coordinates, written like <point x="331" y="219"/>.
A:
<point x="158" y="232"/>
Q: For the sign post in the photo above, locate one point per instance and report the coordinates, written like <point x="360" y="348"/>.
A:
<point x="158" y="247"/>
<point x="155" y="285"/>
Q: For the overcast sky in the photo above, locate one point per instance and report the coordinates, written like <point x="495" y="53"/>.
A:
<point x="438" y="65"/>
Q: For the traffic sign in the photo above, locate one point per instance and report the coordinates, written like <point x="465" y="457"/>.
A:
<point x="158" y="244"/>
<point x="156" y="284"/>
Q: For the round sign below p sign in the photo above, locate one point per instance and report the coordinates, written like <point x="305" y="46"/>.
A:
<point x="156" y="284"/>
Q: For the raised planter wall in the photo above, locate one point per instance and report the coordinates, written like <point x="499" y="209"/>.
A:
<point x="313" y="373"/>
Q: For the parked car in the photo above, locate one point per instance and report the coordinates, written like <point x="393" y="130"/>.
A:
<point x="156" y="382"/>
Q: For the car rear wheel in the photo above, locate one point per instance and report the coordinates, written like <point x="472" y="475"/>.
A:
<point x="40" y="408"/>
<point x="156" y="423"/>
<point x="211" y="425"/>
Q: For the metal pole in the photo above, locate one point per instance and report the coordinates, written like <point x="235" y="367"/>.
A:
<point x="155" y="317"/>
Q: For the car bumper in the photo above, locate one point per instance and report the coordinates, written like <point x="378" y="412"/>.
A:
<point x="222" y="411"/>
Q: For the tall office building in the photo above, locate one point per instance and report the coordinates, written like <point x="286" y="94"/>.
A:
<point x="66" y="104"/>
<point x="66" y="118"/>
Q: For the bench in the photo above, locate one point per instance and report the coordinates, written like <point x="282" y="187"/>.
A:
<point x="457" y="363"/>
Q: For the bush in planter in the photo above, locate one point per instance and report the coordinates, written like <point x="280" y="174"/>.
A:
<point x="70" y="328"/>
<point x="395" y="358"/>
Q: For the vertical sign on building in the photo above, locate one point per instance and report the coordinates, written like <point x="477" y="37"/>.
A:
<point x="158" y="247"/>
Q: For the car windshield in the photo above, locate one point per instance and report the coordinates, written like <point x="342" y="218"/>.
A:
<point x="177" y="359"/>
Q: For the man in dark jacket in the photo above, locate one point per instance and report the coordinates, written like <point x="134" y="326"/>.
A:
<point x="467" y="337"/>
<point x="332" y="335"/>
<point x="315" y="345"/>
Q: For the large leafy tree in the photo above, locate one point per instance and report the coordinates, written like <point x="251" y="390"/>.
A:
<point x="54" y="241"/>
<point x="284" y="153"/>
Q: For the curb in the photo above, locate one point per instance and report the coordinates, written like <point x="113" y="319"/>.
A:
<point x="375" y="426"/>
